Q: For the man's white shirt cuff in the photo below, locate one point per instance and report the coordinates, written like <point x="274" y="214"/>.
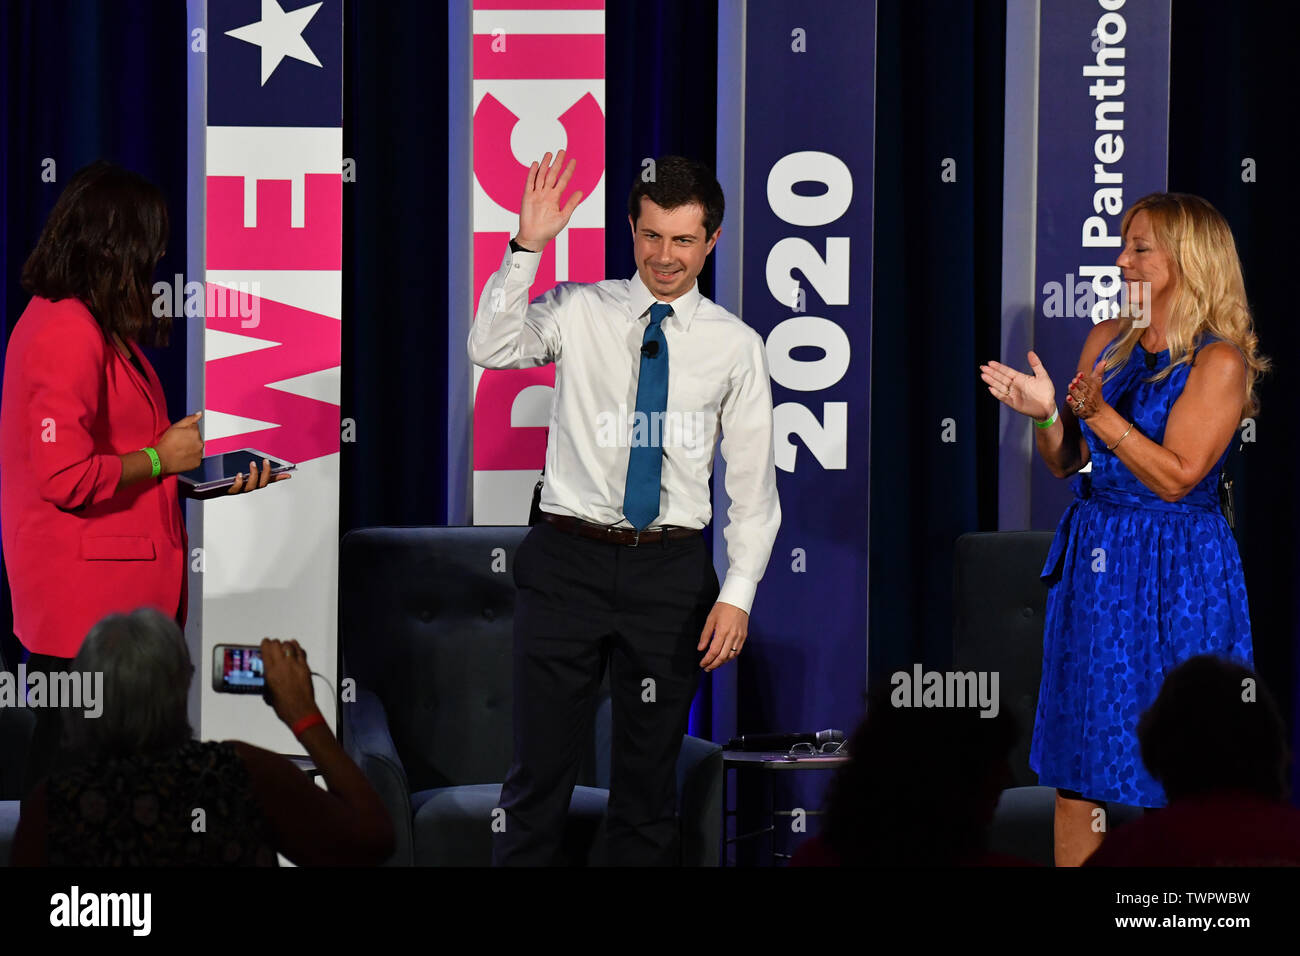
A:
<point x="738" y="591"/>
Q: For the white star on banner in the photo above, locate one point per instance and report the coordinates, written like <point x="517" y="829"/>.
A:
<point x="279" y="34"/>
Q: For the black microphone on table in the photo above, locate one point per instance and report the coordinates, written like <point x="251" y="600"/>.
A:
<point x="650" y="349"/>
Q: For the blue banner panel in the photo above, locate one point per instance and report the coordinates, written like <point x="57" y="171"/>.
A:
<point x="806" y="288"/>
<point x="1103" y="136"/>
<point x="277" y="64"/>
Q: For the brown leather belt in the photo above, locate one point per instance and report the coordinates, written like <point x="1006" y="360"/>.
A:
<point x="627" y="536"/>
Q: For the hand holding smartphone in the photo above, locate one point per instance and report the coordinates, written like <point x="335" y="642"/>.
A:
<point x="277" y="670"/>
<point x="288" y="679"/>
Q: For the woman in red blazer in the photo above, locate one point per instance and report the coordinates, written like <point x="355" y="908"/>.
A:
<point x="89" y="515"/>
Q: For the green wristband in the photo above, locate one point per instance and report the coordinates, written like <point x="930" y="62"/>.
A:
<point x="153" y="457"/>
<point x="1050" y="422"/>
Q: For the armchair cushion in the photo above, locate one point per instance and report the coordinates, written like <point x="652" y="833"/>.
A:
<point x="453" y="825"/>
<point x="368" y="742"/>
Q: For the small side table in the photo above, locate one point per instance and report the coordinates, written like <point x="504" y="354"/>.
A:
<point x="772" y="762"/>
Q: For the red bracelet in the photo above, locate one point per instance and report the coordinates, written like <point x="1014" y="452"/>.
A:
<point x="311" y="720"/>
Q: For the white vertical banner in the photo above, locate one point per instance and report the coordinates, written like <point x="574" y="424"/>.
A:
<point x="538" y="86"/>
<point x="271" y="302"/>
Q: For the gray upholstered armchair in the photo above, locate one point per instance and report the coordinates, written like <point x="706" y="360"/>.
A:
<point x="425" y="627"/>
<point x="1000" y="604"/>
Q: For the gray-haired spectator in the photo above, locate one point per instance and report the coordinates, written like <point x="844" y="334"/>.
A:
<point x="135" y="789"/>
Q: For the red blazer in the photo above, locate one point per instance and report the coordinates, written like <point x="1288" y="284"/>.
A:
<point x="74" y="548"/>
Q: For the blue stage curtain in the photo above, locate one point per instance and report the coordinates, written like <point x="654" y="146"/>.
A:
<point x="1230" y="68"/>
<point x="82" y="80"/>
<point x="938" y="249"/>
<point x="394" y="265"/>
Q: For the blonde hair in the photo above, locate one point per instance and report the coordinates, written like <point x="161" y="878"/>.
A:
<point x="1210" y="294"/>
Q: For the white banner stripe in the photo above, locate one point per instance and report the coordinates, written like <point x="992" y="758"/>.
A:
<point x="324" y="386"/>
<point x="218" y="425"/>
<point x="539" y="21"/>
<point x="219" y="345"/>
<point x="315" y="290"/>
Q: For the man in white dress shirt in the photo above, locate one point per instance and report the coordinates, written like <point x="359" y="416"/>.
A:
<point x="648" y="373"/>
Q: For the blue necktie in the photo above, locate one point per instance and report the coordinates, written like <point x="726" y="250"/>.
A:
<point x="641" y="493"/>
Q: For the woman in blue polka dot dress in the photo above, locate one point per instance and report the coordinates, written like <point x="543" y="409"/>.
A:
<point x="1144" y="571"/>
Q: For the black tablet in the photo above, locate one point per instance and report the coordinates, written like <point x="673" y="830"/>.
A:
<point x="217" y="473"/>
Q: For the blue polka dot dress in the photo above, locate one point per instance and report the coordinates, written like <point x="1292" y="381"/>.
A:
<point x="1137" y="585"/>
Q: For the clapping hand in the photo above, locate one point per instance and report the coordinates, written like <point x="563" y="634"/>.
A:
<point x="1085" y="396"/>
<point x="1029" y="394"/>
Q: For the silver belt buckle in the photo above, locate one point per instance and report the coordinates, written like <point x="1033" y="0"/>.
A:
<point x="636" y="541"/>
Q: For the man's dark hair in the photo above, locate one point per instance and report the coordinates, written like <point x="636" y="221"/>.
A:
<point x="101" y="244"/>
<point x="676" y="182"/>
<point x="1200" y="736"/>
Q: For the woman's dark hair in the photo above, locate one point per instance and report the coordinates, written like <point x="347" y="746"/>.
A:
<point x="1214" y="726"/>
<point x="678" y="182"/>
<point x="101" y="244"/>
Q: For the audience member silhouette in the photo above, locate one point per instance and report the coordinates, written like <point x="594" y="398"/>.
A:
<point x="920" y="789"/>
<point x="1215" y="741"/>
<point x="133" y="788"/>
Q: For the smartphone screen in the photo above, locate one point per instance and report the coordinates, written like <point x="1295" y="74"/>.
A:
<point x="237" y="669"/>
